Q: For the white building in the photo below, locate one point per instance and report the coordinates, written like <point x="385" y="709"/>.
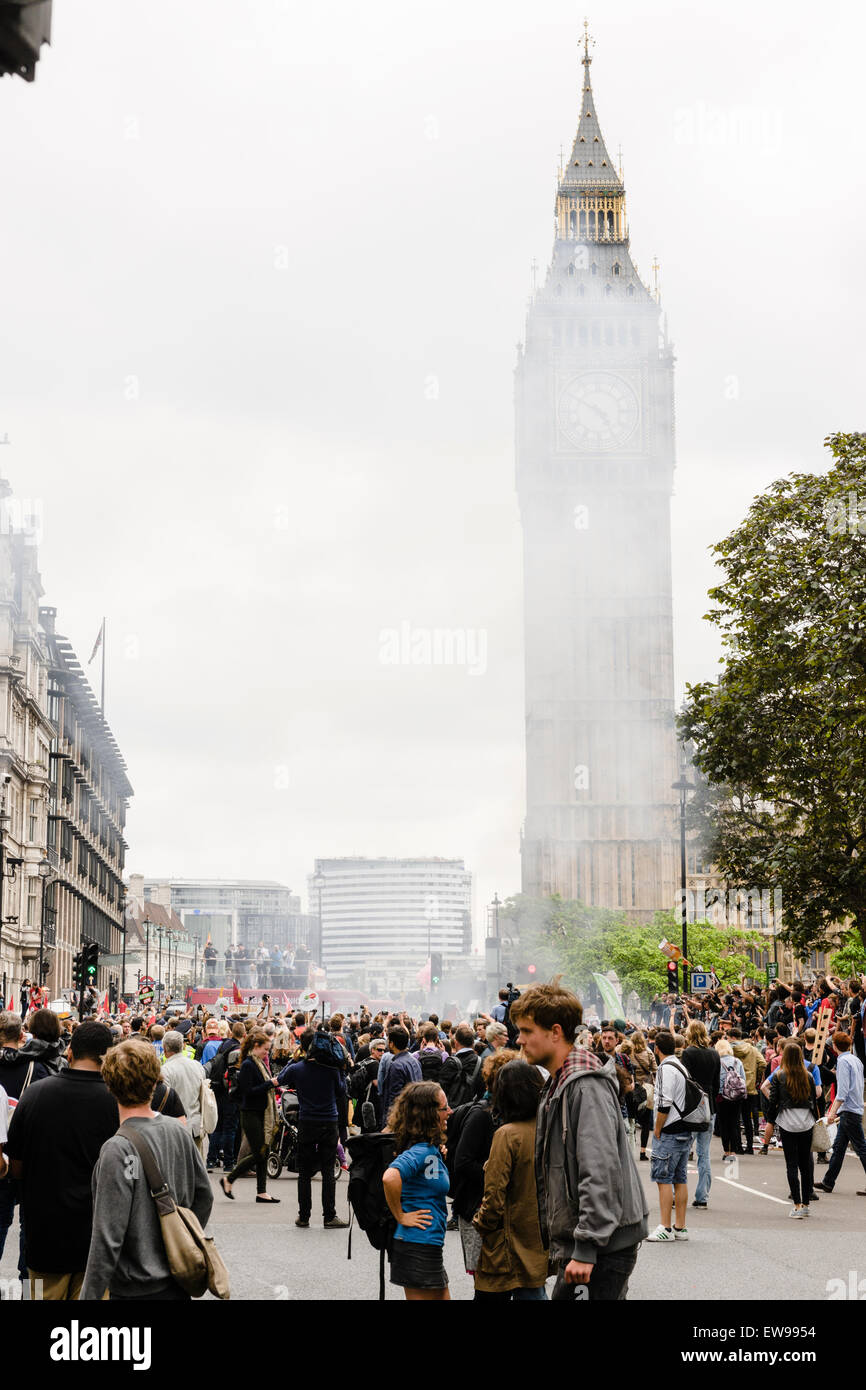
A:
<point x="390" y="914"/>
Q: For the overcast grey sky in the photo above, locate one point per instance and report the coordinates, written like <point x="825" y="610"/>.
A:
<point x="264" y="269"/>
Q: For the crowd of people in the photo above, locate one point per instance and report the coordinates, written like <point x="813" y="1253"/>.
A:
<point x="523" y="1129"/>
<point x="264" y="966"/>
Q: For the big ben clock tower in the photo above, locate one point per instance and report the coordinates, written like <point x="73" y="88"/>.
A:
<point x="595" y="459"/>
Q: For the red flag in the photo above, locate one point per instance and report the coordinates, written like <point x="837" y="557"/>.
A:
<point x="11" y="1003"/>
<point x="237" y="997"/>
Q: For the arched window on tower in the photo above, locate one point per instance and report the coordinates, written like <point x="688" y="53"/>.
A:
<point x="610" y="221"/>
<point x="630" y="291"/>
<point x="572" y="216"/>
<point x="571" y="270"/>
<point x="593" y="268"/>
<point x="608" y="290"/>
<point x="615" y="268"/>
<point x="581" y="291"/>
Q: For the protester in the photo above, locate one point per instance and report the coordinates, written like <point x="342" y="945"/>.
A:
<point x="732" y="1093"/>
<point x="187" y="1078"/>
<point x="847" y="1111"/>
<point x="127" y="1253"/>
<point x="416" y="1185"/>
<point x="793" y="1107"/>
<point x="258" y="1114"/>
<point x="57" y="1131"/>
<point x="703" y="1064"/>
<point x="470" y="1135"/>
<point x="45" y="1043"/>
<point x="671" y="1142"/>
<point x="320" y="1086"/>
<point x="400" y="1068"/>
<point x="512" y="1263"/>
<point x="17" y="1073"/>
<point x="593" y="1214"/>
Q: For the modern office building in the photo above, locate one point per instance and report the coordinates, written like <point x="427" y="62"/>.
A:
<point x="387" y="915"/>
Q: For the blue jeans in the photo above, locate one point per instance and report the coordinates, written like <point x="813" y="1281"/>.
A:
<point x="705" y="1176"/>
<point x="850" y="1131"/>
<point x="224" y="1136"/>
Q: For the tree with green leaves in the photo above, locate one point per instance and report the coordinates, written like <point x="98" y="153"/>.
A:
<point x="781" y="736"/>
<point x="570" y="939"/>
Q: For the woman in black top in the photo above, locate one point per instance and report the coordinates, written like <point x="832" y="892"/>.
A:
<point x="258" y="1113"/>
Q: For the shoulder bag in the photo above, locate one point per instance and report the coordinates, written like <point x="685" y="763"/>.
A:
<point x="192" y="1256"/>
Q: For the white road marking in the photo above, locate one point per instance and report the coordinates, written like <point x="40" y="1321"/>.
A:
<point x="753" y="1190"/>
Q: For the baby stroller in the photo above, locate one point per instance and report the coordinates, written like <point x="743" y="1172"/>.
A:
<point x="284" y="1145"/>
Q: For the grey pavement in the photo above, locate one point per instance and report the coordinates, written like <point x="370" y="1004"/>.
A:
<point x="737" y="1248"/>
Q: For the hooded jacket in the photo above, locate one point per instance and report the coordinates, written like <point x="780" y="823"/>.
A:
<point x="590" y="1198"/>
<point x="51" y="1054"/>
<point x="14" y="1067"/>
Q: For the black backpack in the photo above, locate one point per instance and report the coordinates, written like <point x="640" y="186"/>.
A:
<point x="371" y="1154"/>
<point x="456" y="1122"/>
<point x="231" y="1072"/>
<point x="327" y="1051"/>
<point x="431" y="1064"/>
<point x="463" y="1088"/>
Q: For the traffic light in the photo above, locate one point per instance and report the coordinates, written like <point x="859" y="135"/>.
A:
<point x="78" y="969"/>
<point x="91" y="962"/>
<point x="673" y="977"/>
<point x="435" y="968"/>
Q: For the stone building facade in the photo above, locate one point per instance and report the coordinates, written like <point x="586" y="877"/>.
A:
<point x="594" y="426"/>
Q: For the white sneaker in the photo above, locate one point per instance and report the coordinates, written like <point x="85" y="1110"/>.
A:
<point x="797" y="1213"/>
<point x="681" y="1235"/>
<point x="804" y="1211"/>
<point x="661" y="1234"/>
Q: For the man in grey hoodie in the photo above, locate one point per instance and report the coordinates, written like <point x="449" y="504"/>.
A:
<point x="592" y="1209"/>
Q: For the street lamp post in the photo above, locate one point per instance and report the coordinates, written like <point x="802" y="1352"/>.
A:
<point x="45" y="875"/>
<point x="159" y="963"/>
<point x="684" y="786"/>
<point x="147" y="925"/>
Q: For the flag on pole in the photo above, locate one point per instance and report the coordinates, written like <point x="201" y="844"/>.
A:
<point x="609" y="994"/>
<point x="98" y="643"/>
<point x="207" y="943"/>
<point x="11" y="1003"/>
<point x="237" y="997"/>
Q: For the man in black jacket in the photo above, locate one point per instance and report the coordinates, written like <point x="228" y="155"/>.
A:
<point x="704" y="1065"/>
<point x="57" y="1131"/>
<point x="460" y="1077"/>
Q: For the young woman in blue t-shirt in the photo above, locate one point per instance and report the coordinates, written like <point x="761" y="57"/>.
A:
<point x="416" y="1186"/>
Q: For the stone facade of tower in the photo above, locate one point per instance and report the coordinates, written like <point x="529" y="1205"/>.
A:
<point x="595" y="459"/>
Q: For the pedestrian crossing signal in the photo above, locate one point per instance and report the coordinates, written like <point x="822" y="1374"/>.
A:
<point x="436" y="967"/>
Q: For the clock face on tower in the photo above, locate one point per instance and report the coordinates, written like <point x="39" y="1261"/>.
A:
<point x="597" y="410"/>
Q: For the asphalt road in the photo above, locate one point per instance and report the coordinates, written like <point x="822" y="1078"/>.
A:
<point x="739" y="1248"/>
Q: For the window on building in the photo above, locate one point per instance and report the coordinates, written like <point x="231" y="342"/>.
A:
<point x="33" y="901"/>
<point x="83" y="857"/>
<point x="33" y="820"/>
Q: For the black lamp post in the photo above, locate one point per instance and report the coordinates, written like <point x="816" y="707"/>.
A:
<point x="147" y="925"/>
<point x="684" y="786"/>
<point x="159" y="964"/>
<point x="45" y="875"/>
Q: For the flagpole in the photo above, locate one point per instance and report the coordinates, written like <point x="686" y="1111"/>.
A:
<point x="103" y="669"/>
